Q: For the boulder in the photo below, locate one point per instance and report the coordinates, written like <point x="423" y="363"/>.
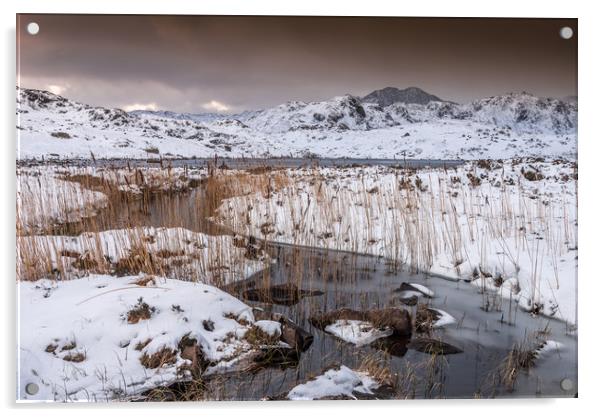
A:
<point x="296" y="337"/>
<point x="398" y="320"/>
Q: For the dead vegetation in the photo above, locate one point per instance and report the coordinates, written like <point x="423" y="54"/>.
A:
<point x="164" y="356"/>
<point x="256" y="336"/>
<point x="141" y="311"/>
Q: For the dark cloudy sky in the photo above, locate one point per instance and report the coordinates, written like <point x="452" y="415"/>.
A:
<point x="233" y="63"/>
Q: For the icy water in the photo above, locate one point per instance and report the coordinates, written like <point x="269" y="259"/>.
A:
<point x="364" y="282"/>
<point x="244" y="163"/>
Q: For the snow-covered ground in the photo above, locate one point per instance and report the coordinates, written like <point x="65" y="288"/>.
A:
<point x="101" y="337"/>
<point x="509" y="226"/>
<point x="512" y="125"/>
<point x="175" y="252"/>
<point x="334" y="383"/>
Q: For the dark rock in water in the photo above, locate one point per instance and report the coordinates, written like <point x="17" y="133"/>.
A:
<point x="396" y="319"/>
<point x="393" y="345"/>
<point x="283" y="294"/>
<point x="433" y="346"/>
<point x="409" y="301"/>
<point x="405" y="287"/>
<point x="296" y="337"/>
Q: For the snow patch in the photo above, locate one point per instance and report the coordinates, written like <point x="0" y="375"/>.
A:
<point x="356" y="331"/>
<point x="333" y="383"/>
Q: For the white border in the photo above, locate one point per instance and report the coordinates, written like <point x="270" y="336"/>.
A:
<point x="590" y="202"/>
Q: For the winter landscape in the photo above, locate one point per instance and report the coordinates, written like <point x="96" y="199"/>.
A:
<point x="389" y="245"/>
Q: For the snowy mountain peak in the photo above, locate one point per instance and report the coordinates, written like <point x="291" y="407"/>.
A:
<point x="340" y="113"/>
<point x="390" y="95"/>
<point x="40" y="99"/>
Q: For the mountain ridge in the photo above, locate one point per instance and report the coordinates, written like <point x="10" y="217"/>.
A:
<point x="345" y="126"/>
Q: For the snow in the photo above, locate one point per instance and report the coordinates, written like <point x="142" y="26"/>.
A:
<point x="358" y="332"/>
<point x="269" y="327"/>
<point x="445" y="319"/>
<point x="334" y="382"/>
<point x="549" y="347"/>
<point x="506" y="126"/>
<point x="89" y="316"/>
<point x="422" y="289"/>
<point x="489" y="225"/>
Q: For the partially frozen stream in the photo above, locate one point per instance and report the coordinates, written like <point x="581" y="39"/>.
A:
<point x="365" y="282"/>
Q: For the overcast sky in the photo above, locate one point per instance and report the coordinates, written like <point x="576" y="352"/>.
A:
<point x="233" y="63"/>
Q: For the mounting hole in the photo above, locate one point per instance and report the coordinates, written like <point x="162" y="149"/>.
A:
<point x="31" y="388"/>
<point x="566" y="384"/>
<point x="33" y="28"/>
<point x="566" y="32"/>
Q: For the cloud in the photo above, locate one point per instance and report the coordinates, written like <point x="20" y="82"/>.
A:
<point x="215" y="105"/>
<point x="139" y="106"/>
<point x="57" y="89"/>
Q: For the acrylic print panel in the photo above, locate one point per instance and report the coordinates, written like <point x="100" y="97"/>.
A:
<point x="295" y="208"/>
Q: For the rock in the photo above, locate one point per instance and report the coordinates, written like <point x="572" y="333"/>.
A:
<point x="398" y="320"/>
<point x="296" y="337"/>
<point x="409" y="301"/>
<point x="190" y="350"/>
<point x="433" y="346"/>
<point x="409" y="288"/>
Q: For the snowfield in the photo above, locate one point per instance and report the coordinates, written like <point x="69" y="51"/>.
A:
<point x="103" y="338"/>
<point x="508" y="227"/>
<point x="508" y="126"/>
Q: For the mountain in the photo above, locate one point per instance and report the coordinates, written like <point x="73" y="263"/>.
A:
<point x="339" y="113"/>
<point x="526" y="112"/>
<point x="195" y="117"/>
<point x="505" y="126"/>
<point x="390" y="95"/>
